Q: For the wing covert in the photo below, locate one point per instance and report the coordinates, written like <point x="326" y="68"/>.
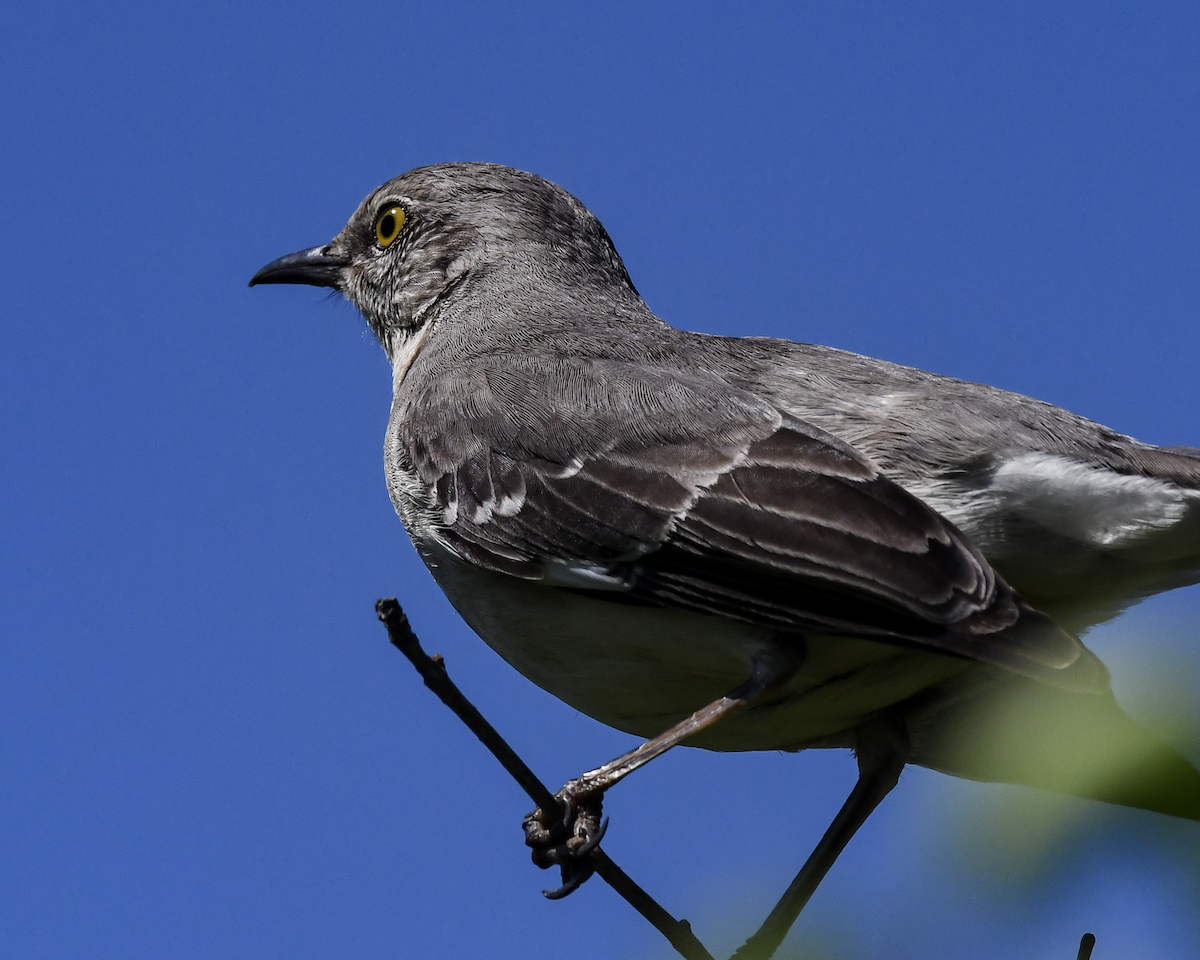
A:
<point x="731" y="512"/>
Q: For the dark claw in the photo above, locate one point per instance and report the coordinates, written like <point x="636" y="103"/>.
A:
<point x="566" y="841"/>
<point x="593" y="842"/>
<point x="573" y="882"/>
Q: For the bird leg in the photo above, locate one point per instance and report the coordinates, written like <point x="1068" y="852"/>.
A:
<point x="882" y="751"/>
<point x="566" y="836"/>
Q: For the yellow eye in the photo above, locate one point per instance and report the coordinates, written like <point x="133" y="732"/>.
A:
<point x="387" y="227"/>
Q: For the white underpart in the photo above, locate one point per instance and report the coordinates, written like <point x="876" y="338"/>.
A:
<point x="403" y="351"/>
<point x="406" y="488"/>
<point x="641" y="669"/>
<point x="1090" y="504"/>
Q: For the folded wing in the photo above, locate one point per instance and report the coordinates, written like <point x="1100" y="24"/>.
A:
<point x="740" y="512"/>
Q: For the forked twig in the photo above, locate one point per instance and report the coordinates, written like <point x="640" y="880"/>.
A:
<point x="433" y="672"/>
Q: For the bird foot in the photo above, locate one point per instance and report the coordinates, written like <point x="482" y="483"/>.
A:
<point x="565" y="837"/>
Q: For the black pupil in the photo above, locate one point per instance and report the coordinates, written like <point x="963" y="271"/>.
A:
<point x="387" y="226"/>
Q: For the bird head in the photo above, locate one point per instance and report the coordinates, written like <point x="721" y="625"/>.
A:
<point x="422" y="234"/>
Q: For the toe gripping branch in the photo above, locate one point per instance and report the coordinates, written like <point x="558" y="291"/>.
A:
<point x="567" y="842"/>
<point x="573" y="832"/>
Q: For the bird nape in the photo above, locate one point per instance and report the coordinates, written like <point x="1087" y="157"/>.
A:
<point x="749" y="544"/>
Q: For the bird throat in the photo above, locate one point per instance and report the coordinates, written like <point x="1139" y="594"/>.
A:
<point x="403" y="348"/>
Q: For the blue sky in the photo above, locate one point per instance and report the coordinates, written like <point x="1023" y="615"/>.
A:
<point x="207" y="746"/>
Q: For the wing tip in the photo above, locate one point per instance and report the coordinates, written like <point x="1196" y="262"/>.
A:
<point x="1034" y="646"/>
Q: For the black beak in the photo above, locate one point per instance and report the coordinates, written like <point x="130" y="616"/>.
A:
<point x="314" y="266"/>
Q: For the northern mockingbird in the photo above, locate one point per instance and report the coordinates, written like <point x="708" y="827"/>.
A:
<point x="749" y="544"/>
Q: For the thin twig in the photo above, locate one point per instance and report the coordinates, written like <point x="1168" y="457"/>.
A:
<point x="433" y="672"/>
<point x="678" y="932"/>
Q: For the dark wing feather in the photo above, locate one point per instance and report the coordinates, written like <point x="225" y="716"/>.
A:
<point x="786" y="539"/>
<point x="724" y="506"/>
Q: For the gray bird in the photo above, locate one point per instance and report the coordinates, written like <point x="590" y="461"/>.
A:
<point x="749" y="544"/>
